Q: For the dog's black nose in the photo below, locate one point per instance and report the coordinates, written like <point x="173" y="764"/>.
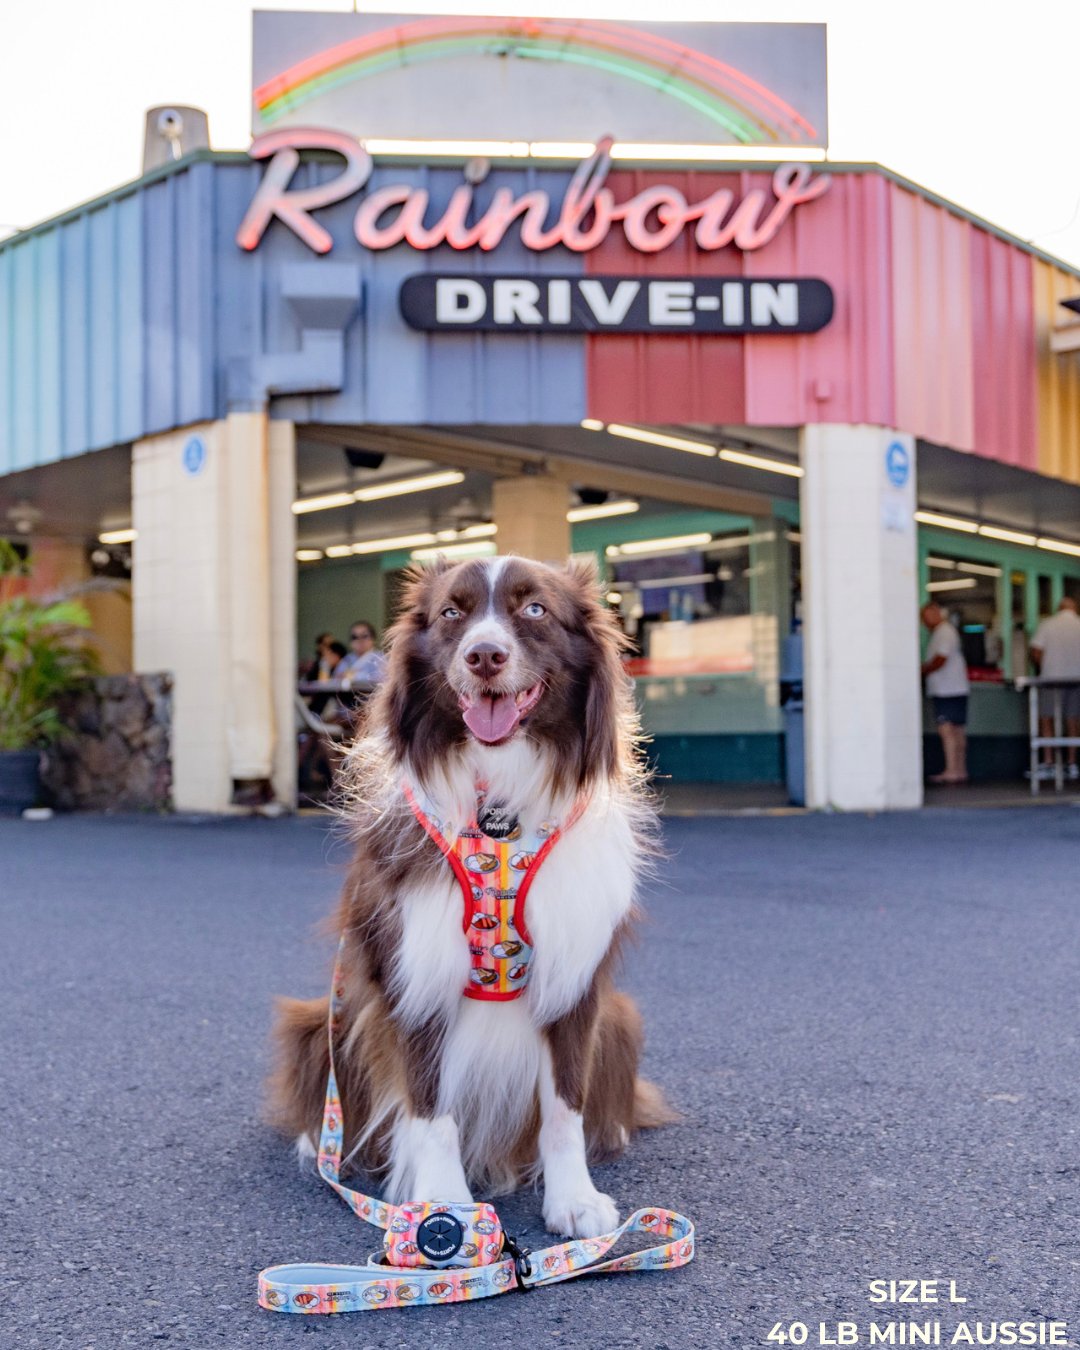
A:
<point x="486" y="659"/>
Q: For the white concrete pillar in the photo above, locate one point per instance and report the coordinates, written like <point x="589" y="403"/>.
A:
<point x="860" y="613"/>
<point x="211" y="505"/>
<point x="530" y="512"/>
<point x="283" y="658"/>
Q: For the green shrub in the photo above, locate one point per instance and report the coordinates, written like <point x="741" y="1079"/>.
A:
<point x="42" y="657"/>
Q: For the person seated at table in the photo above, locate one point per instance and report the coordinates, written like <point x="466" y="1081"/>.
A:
<point x="331" y="655"/>
<point x="364" y="661"/>
<point x="320" y="670"/>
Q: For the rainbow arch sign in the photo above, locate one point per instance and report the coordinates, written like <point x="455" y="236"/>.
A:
<point x="462" y="77"/>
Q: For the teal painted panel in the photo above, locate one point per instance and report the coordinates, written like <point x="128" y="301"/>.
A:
<point x="719" y="759"/>
<point x="698" y="705"/>
<point x="993" y="710"/>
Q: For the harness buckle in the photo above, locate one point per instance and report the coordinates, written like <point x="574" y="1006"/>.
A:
<point x="522" y="1264"/>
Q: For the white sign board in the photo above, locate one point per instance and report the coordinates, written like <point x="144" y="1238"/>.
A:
<point x="461" y="77"/>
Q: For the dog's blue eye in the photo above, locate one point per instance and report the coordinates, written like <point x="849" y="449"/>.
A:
<point x="534" y="611"/>
<point x="451" y="613"/>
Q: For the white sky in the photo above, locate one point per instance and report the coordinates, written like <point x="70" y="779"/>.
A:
<point x="979" y="102"/>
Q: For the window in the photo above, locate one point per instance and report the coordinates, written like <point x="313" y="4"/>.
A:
<point x="968" y="592"/>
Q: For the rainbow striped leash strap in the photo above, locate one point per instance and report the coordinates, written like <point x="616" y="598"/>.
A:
<point x="437" y="1252"/>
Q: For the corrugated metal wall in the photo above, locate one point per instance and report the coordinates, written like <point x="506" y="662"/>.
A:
<point x="124" y="317"/>
<point x="1057" y="376"/>
<point x="71" y="354"/>
<point x="393" y="374"/>
<point x="841" y="374"/>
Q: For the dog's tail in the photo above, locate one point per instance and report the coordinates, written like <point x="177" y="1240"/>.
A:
<point x="650" y="1107"/>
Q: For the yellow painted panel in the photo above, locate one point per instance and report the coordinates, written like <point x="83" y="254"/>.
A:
<point x="1058" y="376"/>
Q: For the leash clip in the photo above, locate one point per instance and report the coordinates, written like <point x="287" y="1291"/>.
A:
<point x="522" y="1264"/>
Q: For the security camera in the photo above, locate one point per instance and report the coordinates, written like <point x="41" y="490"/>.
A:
<point x="170" y="123"/>
<point x="476" y="170"/>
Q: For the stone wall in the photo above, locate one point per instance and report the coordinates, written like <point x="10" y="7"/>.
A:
<point x="115" y="754"/>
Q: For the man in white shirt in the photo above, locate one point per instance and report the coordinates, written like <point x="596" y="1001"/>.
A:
<point x="945" y="671"/>
<point x="1055" y="653"/>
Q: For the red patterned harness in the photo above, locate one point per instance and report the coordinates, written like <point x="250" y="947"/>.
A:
<point x="495" y="865"/>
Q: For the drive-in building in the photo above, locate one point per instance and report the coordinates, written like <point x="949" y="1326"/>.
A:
<point x="770" y="397"/>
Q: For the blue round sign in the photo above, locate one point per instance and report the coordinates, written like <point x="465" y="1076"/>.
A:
<point x="194" y="456"/>
<point x="897" y="464"/>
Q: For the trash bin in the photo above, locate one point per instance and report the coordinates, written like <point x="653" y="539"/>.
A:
<point x="791" y="704"/>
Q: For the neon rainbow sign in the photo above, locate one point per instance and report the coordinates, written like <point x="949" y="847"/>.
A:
<point x="398" y="213"/>
<point x="745" y="109"/>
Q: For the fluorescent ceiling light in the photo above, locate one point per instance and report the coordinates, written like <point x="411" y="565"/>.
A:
<point x="956" y="584"/>
<point x="1008" y="536"/>
<point x="339" y="551"/>
<point x="947" y="522"/>
<point x="697" y="579"/>
<point x="399" y="541"/>
<point x="950" y="563"/>
<point x="398" y="487"/>
<point x="483" y="531"/>
<point x="401" y="486"/>
<point x="1059" y="546"/>
<point x="591" y="424"/>
<point x="326" y="502"/>
<point x="622" y="508"/>
<point x="659" y="438"/>
<point x="762" y="462"/>
<point x="475" y="548"/>
<point x="117" y="536"/>
<point x="309" y="555"/>
<point x="980" y="569"/>
<point x="658" y="545"/>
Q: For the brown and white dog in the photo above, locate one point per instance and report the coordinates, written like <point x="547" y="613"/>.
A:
<point x="504" y="672"/>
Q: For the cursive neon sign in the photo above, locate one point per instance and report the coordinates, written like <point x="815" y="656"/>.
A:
<point x="651" y="220"/>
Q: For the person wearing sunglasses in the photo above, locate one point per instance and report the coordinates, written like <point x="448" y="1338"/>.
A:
<point x="364" y="661"/>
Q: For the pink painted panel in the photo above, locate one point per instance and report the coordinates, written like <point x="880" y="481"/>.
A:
<point x="844" y="373"/>
<point x="643" y="378"/>
<point x="932" y="316"/>
<point x="1005" y="356"/>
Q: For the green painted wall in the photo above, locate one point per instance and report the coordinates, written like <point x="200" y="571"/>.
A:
<point x="333" y="595"/>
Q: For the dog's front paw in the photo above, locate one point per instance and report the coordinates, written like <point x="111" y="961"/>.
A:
<point x="587" y="1213"/>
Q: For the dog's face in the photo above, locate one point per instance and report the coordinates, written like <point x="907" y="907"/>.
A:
<point x="504" y="647"/>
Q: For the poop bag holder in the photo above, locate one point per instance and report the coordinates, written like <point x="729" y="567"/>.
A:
<point x="435" y="1252"/>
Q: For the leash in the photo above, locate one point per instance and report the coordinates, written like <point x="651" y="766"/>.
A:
<point x="437" y="1252"/>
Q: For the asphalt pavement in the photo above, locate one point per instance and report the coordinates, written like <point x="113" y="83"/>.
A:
<point x="869" y="1025"/>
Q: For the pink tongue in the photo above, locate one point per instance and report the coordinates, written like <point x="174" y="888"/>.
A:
<point x="492" y="719"/>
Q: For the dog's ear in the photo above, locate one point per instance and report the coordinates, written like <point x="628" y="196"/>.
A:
<point x="607" y="705"/>
<point x="416" y="586"/>
<point x="583" y="572"/>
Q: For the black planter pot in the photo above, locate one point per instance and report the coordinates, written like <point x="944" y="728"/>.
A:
<point x="20" y="780"/>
